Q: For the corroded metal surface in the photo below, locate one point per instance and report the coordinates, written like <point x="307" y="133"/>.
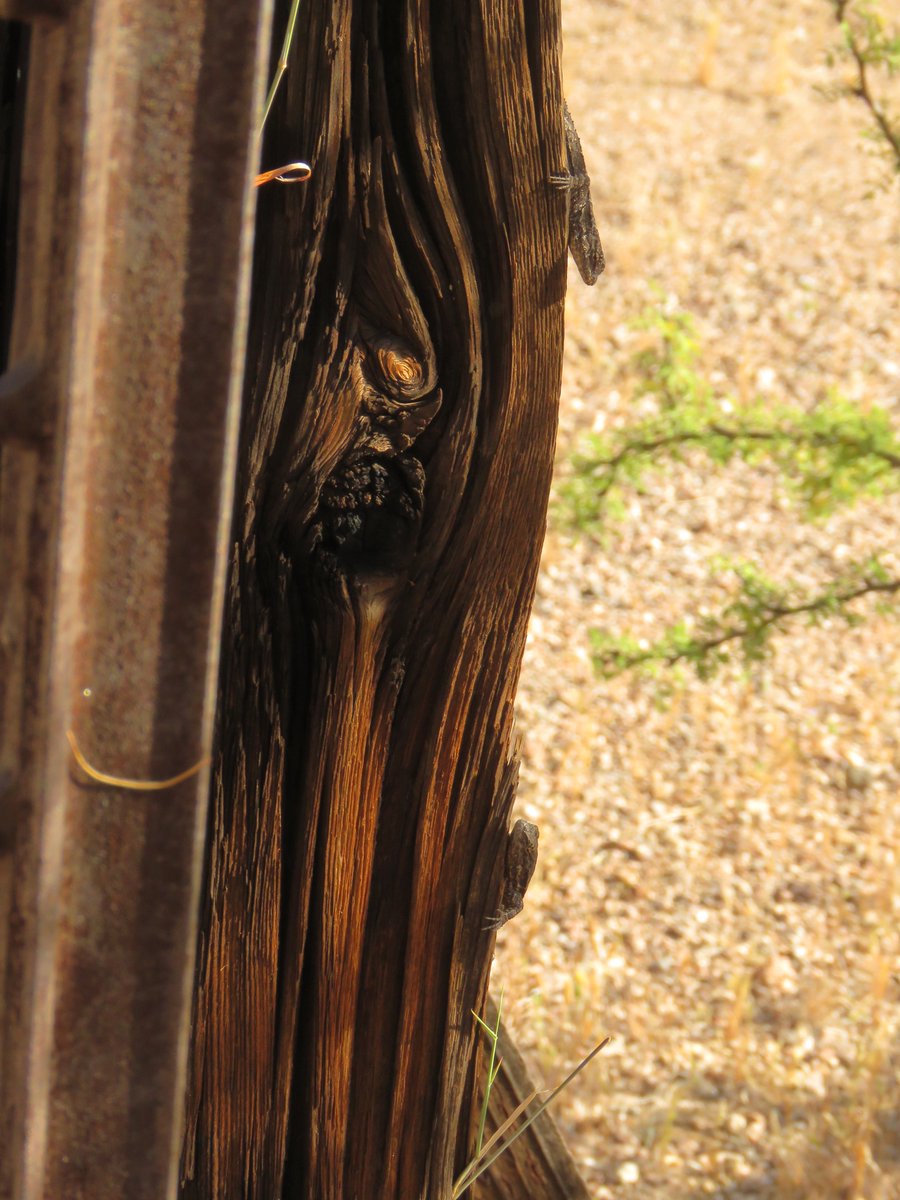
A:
<point x="140" y="149"/>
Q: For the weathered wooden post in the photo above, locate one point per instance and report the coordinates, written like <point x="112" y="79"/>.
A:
<point x="395" y="458"/>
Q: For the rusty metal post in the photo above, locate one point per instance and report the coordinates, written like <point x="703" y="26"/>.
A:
<point x="115" y="499"/>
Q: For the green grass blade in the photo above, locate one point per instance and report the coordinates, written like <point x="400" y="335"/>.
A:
<point x="468" y="1177"/>
<point x="494" y="1035"/>
<point x="282" y="62"/>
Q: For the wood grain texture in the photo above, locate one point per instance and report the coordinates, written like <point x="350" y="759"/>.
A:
<point x="397" y="445"/>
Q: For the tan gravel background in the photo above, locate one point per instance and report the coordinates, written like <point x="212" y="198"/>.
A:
<point x="718" y="884"/>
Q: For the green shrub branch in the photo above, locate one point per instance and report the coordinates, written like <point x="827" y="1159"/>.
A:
<point x="828" y="457"/>
<point x="760" y="609"/>
<point x="867" y="43"/>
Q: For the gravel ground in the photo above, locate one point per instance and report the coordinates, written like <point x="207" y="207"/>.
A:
<point x="718" y="885"/>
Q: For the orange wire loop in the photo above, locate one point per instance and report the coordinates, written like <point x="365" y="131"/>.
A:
<point x="295" y="172"/>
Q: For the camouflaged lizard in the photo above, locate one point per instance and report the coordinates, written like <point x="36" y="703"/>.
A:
<point x="521" y="859"/>
<point x="584" y="238"/>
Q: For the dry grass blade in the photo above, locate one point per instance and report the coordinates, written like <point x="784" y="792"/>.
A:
<point x="480" y="1164"/>
<point x="466" y="1178"/>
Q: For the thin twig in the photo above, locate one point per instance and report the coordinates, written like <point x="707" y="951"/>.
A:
<point x="819" y="440"/>
<point x="774" y="613"/>
<point x="863" y="90"/>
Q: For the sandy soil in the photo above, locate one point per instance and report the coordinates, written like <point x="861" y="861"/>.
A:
<point x="718" y="885"/>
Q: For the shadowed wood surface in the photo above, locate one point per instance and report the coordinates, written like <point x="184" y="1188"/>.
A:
<point x="396" y="451"/>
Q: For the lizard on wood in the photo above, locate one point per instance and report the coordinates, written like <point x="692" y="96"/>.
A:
<point x="521" y="859"/>
<point x="584" y="238"/>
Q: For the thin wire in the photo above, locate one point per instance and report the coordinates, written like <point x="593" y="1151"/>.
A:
<point x="299" y="172"/>
<point x="131" y="785"/>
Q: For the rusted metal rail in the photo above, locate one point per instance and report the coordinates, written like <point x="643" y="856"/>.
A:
<point x="118" y="421"/>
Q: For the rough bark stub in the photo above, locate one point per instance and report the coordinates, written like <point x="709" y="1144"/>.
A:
<point x="404" y="366"/>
